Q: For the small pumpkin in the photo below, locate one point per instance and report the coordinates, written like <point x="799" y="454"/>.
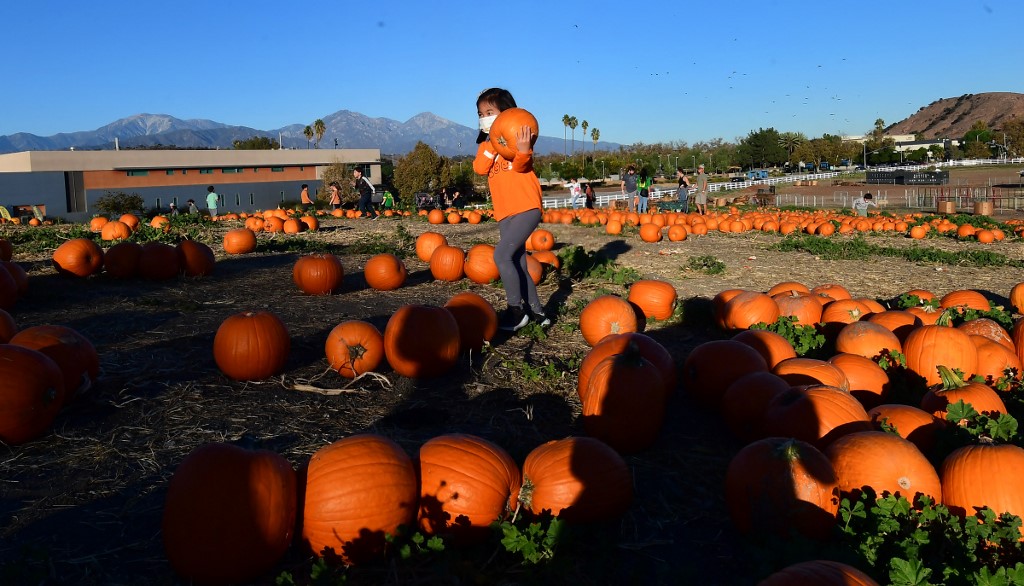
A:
<point x="239" y="241"/>
<point x="747" y="308"/>
<point x="608" y="314"/>
<point x="446" y="263"/>
<point x="354" y="347"/>
<point x="195" y="258"/>
<point x="115" y="230"/>
<point x="427" y="242"/>
<point x="252" y="345"/>
<point x="479" y="265"/>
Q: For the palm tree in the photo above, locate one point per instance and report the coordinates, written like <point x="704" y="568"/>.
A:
<point x="565" y="122"/>
<point x="572" y="125"/>
<point x="791" y="141"/>
<point x="308" y="133"/>
<point x="319" y="128"/>
<point x="584" y="126"/>
<point x="594" y="135"/>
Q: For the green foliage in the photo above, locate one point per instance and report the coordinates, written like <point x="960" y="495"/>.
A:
<point x="340" y="173"/>
<point x="857" y="248"/>
<point x="46" y="238"/>
<point x="420" y="170"/>
<point x="321" y="573"/>
<point x="115" y="203"/>
<point x="580" y="264"/>
<point x="534" y="542"/>
<point x="256" y="143"/>
<point x="969" y="426"/>
<point x="707" y="264"/>
<point x="907" y="545"/>
<point x="805" y="339"/>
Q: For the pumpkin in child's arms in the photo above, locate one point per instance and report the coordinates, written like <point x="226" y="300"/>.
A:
<point x="504" y="129"/>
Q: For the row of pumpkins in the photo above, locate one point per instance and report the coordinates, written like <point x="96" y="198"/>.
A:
<point x="815" y="427"/>
<point x="676" y="226"/>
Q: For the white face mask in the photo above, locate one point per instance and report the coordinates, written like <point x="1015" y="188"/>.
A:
<point x="485" y="123"/>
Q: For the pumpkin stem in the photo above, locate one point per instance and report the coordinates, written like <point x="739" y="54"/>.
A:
<point x="950" y="380"/>
<point x="526" y="493"/>
<point x="788" y="451"/>
<point x="946" y="317"/>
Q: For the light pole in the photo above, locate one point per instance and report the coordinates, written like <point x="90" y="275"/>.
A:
<point x="694" y="163"/>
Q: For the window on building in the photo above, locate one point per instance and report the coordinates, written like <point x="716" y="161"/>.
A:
<point x="158" y="203"/>
<point x="232" y="170"/>
<point x="252" y="200"/>
<point x="238" y="200"/>
<point x="169" y="172"/>
<point x="138" y="173"/>
<point x="282" y="196"/>
<point x="175" y="200"/>
<point x="277" y="169"/>
<point x="206" y="171"/>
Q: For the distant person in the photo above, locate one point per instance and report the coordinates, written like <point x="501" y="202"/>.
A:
<point x="589" y="197"/>
<point x="629" y="186"/>
<point x="388" y="200"/>
<point x="174" y="209"/>
<point x="862" y="203"/>
<point x="192" y="208"/>
<point x="335" y="197"/>
<point x="305" y="203"/>
<point x="643" y="185"/>
<point x="574" y="192"/>
<point x="366" y="191"/>
<point x="701" y="198"/>
<point x="443" y="199"/>
<point x="458" y="202"/>
<point x="212" y="199"/>
<point x="683" y="191"/>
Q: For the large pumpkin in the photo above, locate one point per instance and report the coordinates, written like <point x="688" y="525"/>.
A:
<point x="121" y="260"/>
<point x="354" y="347"/>
<point x="868" y="382"/>
<point x="578" y="479"/>
<point x="115" y="230"/>
<point x="465" y="485"/>
<point x="819" y="573"/>
<point x="229" y="515"/>
<point x="811" y="371"/>
<point x="195" y="258"/>
<point x="33" y="393"/>
<point x="867" y="339"/>
<point x="73" y="353"/>
<point x="817" y="414"/>
<point x="625" y="400"/>
<point x="384" y="272"/>
<point x="479" y="266"/>
<point x="649" y="348"/>
<point x="318" y="274"/>
<point x="427" y="242"/>
<point x="478" y="322"/>
<point x="910" y="423"/>
<point x="608" y="314"/>
<point x="885" y="462"/>
<point x="158" y="261"/>
<point x="656" y="298"/>
<point x="446" y="263"/>
<point x="745" y="400"/>
<point x="421" y="341"/>
<point x="239" y="241"/>
<point x="711" y="367"/>
<point x="8" y="327"/>
<point x="359" y="490"/>
<point x="954" y="389"/>
<point x="251" y="345"/>
<point x="777" y="485"/>
<point x="773" y="347"/>
<point x="746" y="309"/>
<point x="931" y="346"/>
<point x="983" y="475"/>
<point x="505" y="127"/>
<point x="79" y="257"/>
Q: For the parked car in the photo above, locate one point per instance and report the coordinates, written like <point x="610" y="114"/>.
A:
<point x="859" y="168"/>
<point x="742" y="179"/>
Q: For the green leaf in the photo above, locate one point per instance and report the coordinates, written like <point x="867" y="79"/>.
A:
<point x="908" y="573"/>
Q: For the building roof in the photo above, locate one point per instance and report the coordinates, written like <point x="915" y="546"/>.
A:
<point x="39" y="161"/>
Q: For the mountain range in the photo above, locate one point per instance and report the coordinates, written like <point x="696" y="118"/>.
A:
<point x="953" y="117"/>
<point x="351" y="129"/>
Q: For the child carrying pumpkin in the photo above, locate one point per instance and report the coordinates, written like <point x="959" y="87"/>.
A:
<point x="516" y="196"/>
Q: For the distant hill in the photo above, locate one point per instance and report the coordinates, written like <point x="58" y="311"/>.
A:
<point x="953" y="117"/>
<point x="351" y="129"/>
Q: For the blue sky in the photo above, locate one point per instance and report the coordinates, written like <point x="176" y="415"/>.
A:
<point x="640" y="71"/>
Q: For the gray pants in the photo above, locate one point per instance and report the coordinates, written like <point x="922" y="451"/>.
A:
<point x="630" y="196"/>
<point x="510" y="257"/>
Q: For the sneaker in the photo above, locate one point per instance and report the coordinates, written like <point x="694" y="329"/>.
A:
<point x="513" y="319"/>
<point x="377" y="217"/>
<point x="539" y="318"/>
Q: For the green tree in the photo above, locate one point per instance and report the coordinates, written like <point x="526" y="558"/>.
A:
<point x="595" y="134"/>
<point x="573" y="124"/>
<point x="116" y="203"/>
<point x="319" y="128"/>
<point x="256" y="143"/>
<point x="308" y="133"/>
<point x="340" y="173"/>
<point x="584" y="125"/>
<point x="791" y="140"/>
<point x="762" y="148"/>
<point x="1014" y="129"/>
<point x="565" y="135"/>
<point x="420" y="170"/>
<point x="977" y="148"/>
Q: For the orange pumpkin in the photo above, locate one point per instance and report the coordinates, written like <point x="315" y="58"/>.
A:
<point x="121" y="260"/>
<point x="72" y="352"/>
<point x="656" y="298"/>
<point x="251" y="345"/>
<point x="477" y="320"/>
<point x="910" y="423"/>
<point x="577" y="479"/>
<point x="931" y="346"/>
<point x="195" y="258"/>
<point x="970" y="480"/>
<point x="78" y="257"/>
<point x="711" y="367"/>
<point x="954" y="389"/>
<point x="229" y="515"/>
<point x="354" y="347"/>
<point x="8" y="327"/>
<point x="158" y="261"/>
<point x="239" y="241"/>
<point x="505" y="128"/>
<point x="421" y="341"/>
<point x="465" y="485"/>
<point x="868" y="382"/>
<point x="384" y="272"/>
<point x="33" y="393"/>
<point x="613" y="344"/>
<point x="867" y="339"/>
<point x="115" y="230"/>
<point x="746" y="309"/>
<point x="810" y="371"/>
<point x="608" y="314"/>
<point x="773" y="347"/>
<point x="318" y="274"/>
<point x="446" y="263"/>
<point x="624" y="404"/>
<point x="819" y="573"/>
<point x="885" y="462"/>
<point x="745" y="400"/>
<point x="816" y="414"/>
<point x="427" y="242"/>
<point x="479" y="265"/>
<point x="359" y="490"/>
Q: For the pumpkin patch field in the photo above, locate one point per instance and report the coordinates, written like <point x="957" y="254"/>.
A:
<point x="235" y="402"/>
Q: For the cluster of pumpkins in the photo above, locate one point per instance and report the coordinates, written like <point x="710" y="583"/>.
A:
<point x="82" y="257"/>
<point x="821" y="428"/>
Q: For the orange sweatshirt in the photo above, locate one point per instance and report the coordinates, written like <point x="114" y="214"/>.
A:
<point x="514" y="186"/>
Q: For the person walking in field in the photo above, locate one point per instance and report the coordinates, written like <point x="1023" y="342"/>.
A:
<point x="701" y="200"/>
<point x="861" y="204"/>
<point x="629" y="187"/>
<point x="212" y="199"/>
<point x="366" y="191"/>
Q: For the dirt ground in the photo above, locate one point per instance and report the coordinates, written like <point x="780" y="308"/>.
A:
<point x="83" y="503"/>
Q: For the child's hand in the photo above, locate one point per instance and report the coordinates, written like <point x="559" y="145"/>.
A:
<point x="524" y="138"/>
